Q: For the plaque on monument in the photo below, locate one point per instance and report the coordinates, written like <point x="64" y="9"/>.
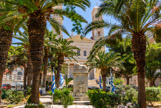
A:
<point x="80" y="82"/>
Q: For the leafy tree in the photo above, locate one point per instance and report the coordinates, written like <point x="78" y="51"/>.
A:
<point x="124" y="48"/>
<point x="17" y="57"/>
<point x="153" y="62"/>
<point x="105" y="62"/>
<point x="62" y="48"/>
<point x="134" y="17"/>
<point x="37" y="12"/>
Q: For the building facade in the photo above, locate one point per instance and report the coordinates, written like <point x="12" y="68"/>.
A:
<point x="15" y="78"/>
<point x="85" y="45"/>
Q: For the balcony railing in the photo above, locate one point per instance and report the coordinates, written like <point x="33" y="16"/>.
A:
<point x="13" y="78"/>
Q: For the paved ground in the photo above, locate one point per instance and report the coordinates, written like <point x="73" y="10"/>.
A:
<point x="60" y="106"/>
<point x="47" y="101"/>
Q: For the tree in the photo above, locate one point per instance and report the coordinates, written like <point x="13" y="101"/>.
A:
<point x="105" y="62"/>
<point x="24" y="41"/>
<point x="17" y="57"/>
<point x="62" y="48"/>
<point x="49" y="38"/>
<point x="124" y="48"/>
<point x="6" y="34"/>
<point x="153" y="62"/>
<point x="135" y="17"/>
<point x="151" y="73"/>
<point x="38" y="12"/>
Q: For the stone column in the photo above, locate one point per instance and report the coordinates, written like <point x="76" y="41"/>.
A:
<point x="80" y="82"/>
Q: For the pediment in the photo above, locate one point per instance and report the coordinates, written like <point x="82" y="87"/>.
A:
<point x="78" y="39"/>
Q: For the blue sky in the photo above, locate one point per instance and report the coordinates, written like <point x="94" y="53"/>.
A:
<point x="87" y="15"/>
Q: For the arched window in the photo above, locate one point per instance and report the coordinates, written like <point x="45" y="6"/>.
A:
<point x="78" y="52"/>
<point x="85" y="53"/>
<point x="19" y="73"/>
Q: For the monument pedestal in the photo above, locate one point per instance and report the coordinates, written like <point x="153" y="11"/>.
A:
<point x="80" y="83"/>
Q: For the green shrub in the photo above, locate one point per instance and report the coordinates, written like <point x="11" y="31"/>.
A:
<point x="159" y="85"/>
<point x="118" y="81"/>
<point x="30" y="105"/>
<point x="63" y="96"/>
<point x="101" y="99"/>
<point x="4" y="95"/>
<point x="130" y="95"/>
<point x="34" y="106"/>
<point x="50" y="92"/>
<point x="14" y="96"/>
<point x="28" y="91"/>
<point x="120" y="89"/>
<point x="153" y="94"/>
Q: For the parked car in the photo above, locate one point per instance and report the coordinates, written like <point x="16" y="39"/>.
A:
<point x="6" y="86"/>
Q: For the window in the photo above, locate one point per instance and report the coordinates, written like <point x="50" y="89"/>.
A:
<point x="99" y="34"/>
<point x="78" y="52"/>
<point x="85" y="53"/>
<point x="19" y="73"/>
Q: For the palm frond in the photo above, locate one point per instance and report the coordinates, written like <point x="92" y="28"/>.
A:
<point x="96" y="25"/>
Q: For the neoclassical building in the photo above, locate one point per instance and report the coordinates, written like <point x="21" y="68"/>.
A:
<point x="85" y="45"/>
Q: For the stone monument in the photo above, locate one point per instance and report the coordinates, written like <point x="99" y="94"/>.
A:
<point x="80" y="82"/>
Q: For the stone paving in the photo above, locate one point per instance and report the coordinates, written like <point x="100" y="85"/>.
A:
<point x="47" y="100"/>
<point x="61" y="106"/>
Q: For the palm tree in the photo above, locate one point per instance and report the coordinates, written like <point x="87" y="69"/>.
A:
<point x="6" y="34"/>
<point x="24" y="41"/>
<point x="49" y="38"/>
<point x="62" y="48"/>
<point x="38" y="12"/>
<point x="105" y="62"/>
<point x="124" y="48"/>
<point x="135" y="17"/>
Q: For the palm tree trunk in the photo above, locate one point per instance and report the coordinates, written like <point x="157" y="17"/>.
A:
<point x="152" y="83"/>
<point x="139" y="49"/>
<point x="25" y="76"/>
<point x="127" y="80"/>
<point x="29" y="68"/>
<point x="5" y="43"/>
<point x="57" y="75"/>
<point x="104" y="82"/>
<point x="45" y="67"/>
<point x="29" y="72"/>
<point x="36" y="29"/>
<point x="40" y="79"/>
<point x="60" y="62"/>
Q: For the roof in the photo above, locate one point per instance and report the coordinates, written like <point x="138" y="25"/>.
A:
<point x="79" y="39"/>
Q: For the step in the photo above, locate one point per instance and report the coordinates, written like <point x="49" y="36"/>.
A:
<point x="81" y="102"/>
<point x="81" y="99"/>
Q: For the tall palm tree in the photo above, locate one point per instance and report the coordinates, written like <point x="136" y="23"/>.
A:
<point x="105" y="62"/>
<point x="135" y="17"/>
<point x="38" y="12"/>
<point x="49" y="38"/>
<point x="62" y="48"/>
<point x="6" y="34"/>
<point x="124" y="48"/>
<point x="24" y="41"/>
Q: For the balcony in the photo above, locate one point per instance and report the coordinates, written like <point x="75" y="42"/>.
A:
<point x="13" y="78"/>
